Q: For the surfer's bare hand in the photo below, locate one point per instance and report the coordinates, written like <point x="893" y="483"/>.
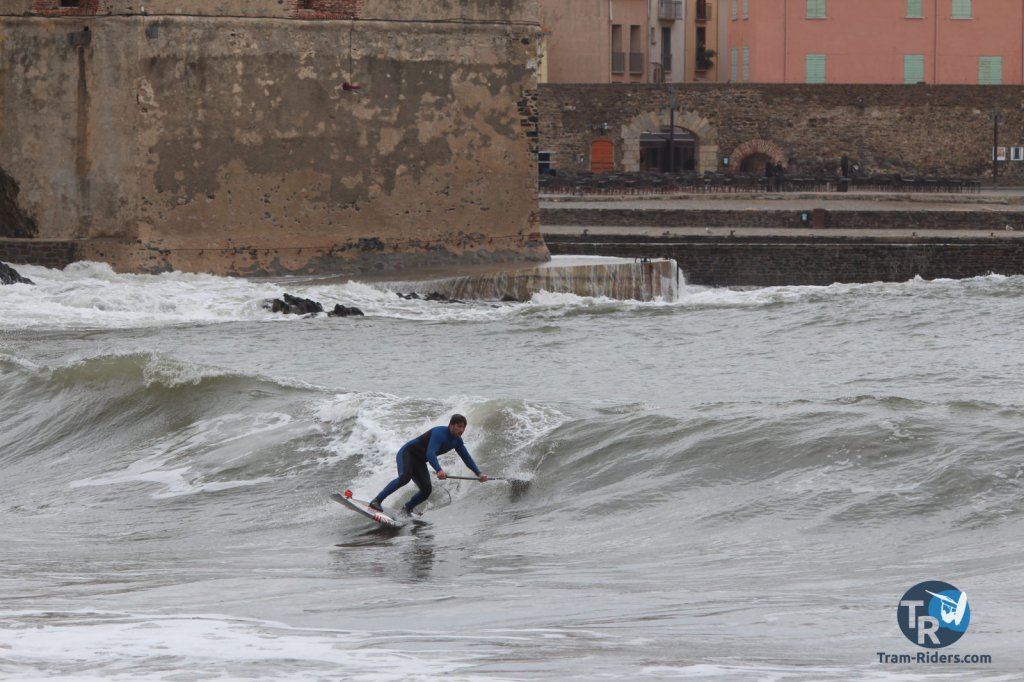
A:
<point x="441" y="475"/>
<point x="483" y="478"/>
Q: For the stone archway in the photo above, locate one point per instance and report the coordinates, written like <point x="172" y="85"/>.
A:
<point x="706" y="153"/>
<point x="758" y="147"/>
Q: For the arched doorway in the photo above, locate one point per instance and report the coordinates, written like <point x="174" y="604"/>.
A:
<point x="602" y="155"/>
<point x="755" y="163"/>
<point x="752" y="155"/>
<point x="696" y="148"/>
<point x="668" y="151"/>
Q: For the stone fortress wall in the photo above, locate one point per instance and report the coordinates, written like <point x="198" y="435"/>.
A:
<point x="271" y="136"/>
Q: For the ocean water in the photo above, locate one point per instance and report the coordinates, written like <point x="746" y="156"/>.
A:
<point x="733" y="485"/>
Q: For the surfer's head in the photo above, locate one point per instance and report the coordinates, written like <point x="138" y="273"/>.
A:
<point x="457" y="425"/>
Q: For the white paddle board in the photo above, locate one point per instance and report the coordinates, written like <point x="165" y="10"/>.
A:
<point x="389" y="517"/>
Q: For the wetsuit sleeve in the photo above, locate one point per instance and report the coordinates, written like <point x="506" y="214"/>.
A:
<point x="466" y="457"/>
<point x="437" y="440"/>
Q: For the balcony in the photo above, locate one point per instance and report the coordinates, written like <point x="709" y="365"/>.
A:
<point x="670" y="10"/>
<point x="703" y="11"/>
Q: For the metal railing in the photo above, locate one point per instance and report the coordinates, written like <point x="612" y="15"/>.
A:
<point x="636" y="62"/>
<point x="618" y="62"/>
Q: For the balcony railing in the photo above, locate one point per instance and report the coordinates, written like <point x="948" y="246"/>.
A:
<point x="670" y="10"/>
<point x="636" y="63"/>
<point x="618" y="62"/>
<point x="703" y="10"/>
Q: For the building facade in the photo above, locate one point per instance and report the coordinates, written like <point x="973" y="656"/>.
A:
<point x="631" y="41"/>
<point x="948" y="42"/>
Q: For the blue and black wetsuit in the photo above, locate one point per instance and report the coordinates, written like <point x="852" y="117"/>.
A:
<point x="413" y="457"/>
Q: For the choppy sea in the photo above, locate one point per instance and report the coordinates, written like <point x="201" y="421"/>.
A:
<point x="734" y="485"/>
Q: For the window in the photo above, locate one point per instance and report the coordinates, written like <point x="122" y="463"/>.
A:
<point x="914" y="9"/>
<point x="666" y="48"/>
<point x="618" y="54"/>
<point x="636" y="49"/>
<point x="815" y="68"/>
<point x="734" y="73"/>
<point x="1016" y="153"/>
<point x="734" y="10"/>
<point x="913" y="68"/>
<point x="815" y="9"/>
<point x="746" y="9"/>
<point x="70" y="3"/>
<point x="961" y="9"/>
<point x="990" y="70"/>
<point x="746" y="64"/>
<point x="307" y="4"/>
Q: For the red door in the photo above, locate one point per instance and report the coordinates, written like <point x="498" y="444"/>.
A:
<point x="602" y="155"/>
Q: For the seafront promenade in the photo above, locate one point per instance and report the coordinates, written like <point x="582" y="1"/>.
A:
<point x="798" y="238"/>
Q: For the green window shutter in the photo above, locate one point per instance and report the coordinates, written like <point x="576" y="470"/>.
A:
<point x="914" y="9"/>
<point x="746" y="64"/>
<point x="734" y="72"/>
<point x="961" y="9"/>
<point x="734" y="11"/>
<point x="815" y="68"/>
<point x="815" y="9"/>
<point x="913" y="68"/>
<point x="990" y="70"/>
<point x="746" y="9"/>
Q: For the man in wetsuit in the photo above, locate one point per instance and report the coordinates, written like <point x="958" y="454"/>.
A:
<point x="413" y="457"/>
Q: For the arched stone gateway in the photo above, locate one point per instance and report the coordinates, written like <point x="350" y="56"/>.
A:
<point x="705" y="146"/>
<point x="750" y="156"/>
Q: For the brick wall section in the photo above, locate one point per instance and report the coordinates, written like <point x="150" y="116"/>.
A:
<point x="48" y="253"/>
<point x="939" y="130"/>
<point x="327" y="9"/>
<point x="850" y="219"/>
<point x="781" y="261"/>
<point x="52" y="8"/>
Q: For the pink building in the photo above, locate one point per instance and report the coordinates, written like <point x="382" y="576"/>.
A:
<point x="876" y="41"/>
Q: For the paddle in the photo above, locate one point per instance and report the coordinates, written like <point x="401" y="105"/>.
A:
<point x="514" y="482"/>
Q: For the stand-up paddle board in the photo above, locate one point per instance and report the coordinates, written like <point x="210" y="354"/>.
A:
<point x="389" y="517"/>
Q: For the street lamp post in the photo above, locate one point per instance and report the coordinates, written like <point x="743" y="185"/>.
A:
<point x="672" y="104"/>
<point x="995" y="115"/>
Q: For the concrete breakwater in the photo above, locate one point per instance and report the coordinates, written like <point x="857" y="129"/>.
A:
<point x="784" y="241"/>
<point x="639" y="279"/>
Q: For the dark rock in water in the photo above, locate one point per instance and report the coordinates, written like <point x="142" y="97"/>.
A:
<point x="432" y="296"/>
<point x="509" y="298"/>
<point x="344" y="311"/>
<point x="293" y="305"/>
<point x="9" y="275"/>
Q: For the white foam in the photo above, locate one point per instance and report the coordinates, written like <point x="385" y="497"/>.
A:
<point x="109" y="645"/>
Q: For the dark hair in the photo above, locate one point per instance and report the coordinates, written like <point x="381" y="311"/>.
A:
<point x="457" y="419"/>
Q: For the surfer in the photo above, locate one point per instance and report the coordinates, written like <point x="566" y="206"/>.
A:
<point x="413" y="457"/>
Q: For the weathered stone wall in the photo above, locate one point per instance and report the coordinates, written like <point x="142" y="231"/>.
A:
<point x="802" y="261"/>
<point x="488" y="11"/>
<point x="46" y="252"/>
<point x="925" y="219"/>
<point x="249" y="145"/>
<point x="911" y="130"/>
